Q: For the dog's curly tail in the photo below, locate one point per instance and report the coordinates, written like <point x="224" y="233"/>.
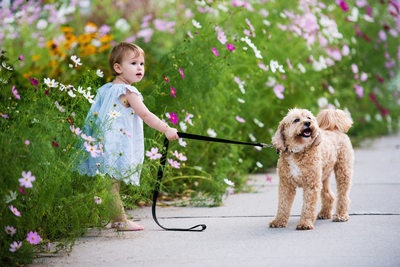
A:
<point x="334" y="119"/>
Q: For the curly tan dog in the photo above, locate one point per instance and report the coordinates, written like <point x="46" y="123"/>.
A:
<point x="311" y="149"/>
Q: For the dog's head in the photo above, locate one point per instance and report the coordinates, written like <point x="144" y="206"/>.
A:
<point x="297" y="131"/>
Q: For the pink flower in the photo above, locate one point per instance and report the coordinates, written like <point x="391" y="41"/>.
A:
<point x="214" y="50"/>
<point x="27" y="142"/>
<point x="15" y="92"/>
<point x="94" y="152"/>
<point x="173" y="92"/>
<point x="179" y="156"/>
<point x="239" y="119"/>
<point x="354" y="68"/>
<point x="363" y="77"/>
<point x="10" y="230"/>
<point x="15" y="211"/>
<point x="278" y="90"/>
<point x="181" y="72"/>
<point x="174" y="163"/>
<point x="268" y="178"/>
<point x="382" y="35"/>
<point x="174" y="118"/>
<point x="359" y="90"/>
<point x="188" y="119"/>
<point x="368" y="10"/>
<point x="15" y="246"/>
<point x="230" y="47"/>
<point x="76" y="131"/>
<point x="221" y="37"/>
<point x="5" y="116"/>
<point x="27" y="179"/>
<point x="21" y="57"/>
<point x="153" y="153"/>
<point x="33" y="238"/>
<point x="343" y="5"/>
<point x="165" y="78"/>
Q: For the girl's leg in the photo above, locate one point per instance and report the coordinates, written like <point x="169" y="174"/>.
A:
<point x="121" y="215"/>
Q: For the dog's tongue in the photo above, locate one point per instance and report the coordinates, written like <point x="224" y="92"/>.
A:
<point x="307" y="132"/>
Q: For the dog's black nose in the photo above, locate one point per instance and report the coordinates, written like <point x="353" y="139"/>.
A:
<point x="307" y="124"/>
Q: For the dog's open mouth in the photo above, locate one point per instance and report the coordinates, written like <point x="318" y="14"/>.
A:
<point x="306" y="133"/>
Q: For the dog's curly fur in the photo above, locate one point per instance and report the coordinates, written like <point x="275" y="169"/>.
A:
<point x="311" y="149"/>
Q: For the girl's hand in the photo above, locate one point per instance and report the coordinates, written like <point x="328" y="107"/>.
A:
<point x="172" y="134"/>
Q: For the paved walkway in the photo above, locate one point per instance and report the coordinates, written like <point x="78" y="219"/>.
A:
<point x="237" y="233"/>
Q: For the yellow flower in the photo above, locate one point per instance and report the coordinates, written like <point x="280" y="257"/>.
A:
<point x="35" y="57"/>
<point x="104" y="47"/>
<point x="88" y="50"/>
<point x="84" y="38"/>
<point x="67" y="29"/>
<point x="106" y="38"/>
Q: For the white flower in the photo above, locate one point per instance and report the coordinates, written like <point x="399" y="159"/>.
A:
<point x="114" y="114"/>
<point x="301" y="67"/>
<point x="211" y="132"/>
<point x="320" y="64"/>
<point x="229" y="182"/>
<point x="259" y="165"/>
<point x="97" y="200"/>
<point x="252" y="137"/>
<point x="41" y="24"/>
<point x="62" y="87"/>
<point x="50" y="83"/>
<point x="122" y="25"/>
<point x="181" y="142"/>
<point x="241" y="100"/>
<point x="275" y="66"/>
<point x="183" y="126"/>
<point x="196" y="24"/>
<point x="249" y="43"/>
<point x="259" y="123"/>
<point x="354" y="14"/>
<point x="76" y="60"/>
<point x="80" y="90"/>
<point x="99" y="73"/>
<point x="71" y="93"/>
<point x="88" y="96"/>
<point x="322" y="102"/>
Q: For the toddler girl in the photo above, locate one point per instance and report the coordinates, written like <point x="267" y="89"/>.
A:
<point x="116" y="123"/>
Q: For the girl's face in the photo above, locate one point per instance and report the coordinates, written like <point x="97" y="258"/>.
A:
<point x="131" y="69"/>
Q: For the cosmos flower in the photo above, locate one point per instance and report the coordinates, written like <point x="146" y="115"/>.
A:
<point x="215" y="51"/>
<point x="229" y="182"/>
<point x="27" y="179"/>
<point x="173" y="92"/>
<point x="76" y="60"/>
<point x="174" y="118"/>
<point x="181" y="142"/>
<point x="153" y="153"/>
<point x="10" y="230"/>
<point x="211" y="132"/>
<point x="230" y="47"/>
<point x="33" y="238"/>
<point x="15" y="246"/>
<point x="92" y="149"/>
<point x="15" y="211"/>
<point x="239" y="119"/>
<point x="97" y="200"/>
<point x="278" y="90"/>
<point x="196" y="24"/>
<point x="114" y="114"/>
<point x="174" y="163"/>
<point x="15" y="93"/>
<point x="99" y="73"/>
<point x="181" y="72"/>
<point x="179" y="156"/>
<point x="50" y="83"/>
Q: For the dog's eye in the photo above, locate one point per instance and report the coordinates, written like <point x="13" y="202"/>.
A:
<point x="296" y="120"/>
<point x="309" y="118"/>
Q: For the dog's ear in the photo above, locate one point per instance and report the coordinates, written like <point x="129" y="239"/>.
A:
<point x="317" y="140"/>
<point x="278" y="140"/>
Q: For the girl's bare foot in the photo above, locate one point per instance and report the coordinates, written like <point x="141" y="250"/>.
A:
<point x="127" y="226"/>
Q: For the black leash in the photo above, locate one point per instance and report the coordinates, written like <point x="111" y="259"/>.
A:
<point x="161" y="173"/>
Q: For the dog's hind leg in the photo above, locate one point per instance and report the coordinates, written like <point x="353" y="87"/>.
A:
<point x="327" y="200"/>
<point x="287" y="192"/>
<point x="343" y="173"/>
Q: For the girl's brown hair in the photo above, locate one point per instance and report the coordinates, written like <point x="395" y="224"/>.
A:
<point x="119" y="51"/>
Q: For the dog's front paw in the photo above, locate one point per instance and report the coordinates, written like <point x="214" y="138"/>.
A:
<point x="341" y="217"/>
<point x="324" y="215"/>
<point x="304" y="226"/>
<point x="277" y="224"/>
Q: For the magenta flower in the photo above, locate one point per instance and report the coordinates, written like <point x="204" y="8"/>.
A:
<point x="173" y="92"/>
<point x="5" y="116"/>
<point x="10" y="230"/>
<point x="15" y="211"/>
<point x="54" y="144"/>
<point x="278" y="90"/>
<point x="165" y="78"/>
<point x="27" y="142"/>
<point x="174" y="163"/>
<point x="174" y="118"/>
<point x="181" y="72"/>
<point x="15" y="246"/>
<point x="239" y="119"/>
<point x="34" y="82"/>
<point x="33" y="238"/>
<point x="27" y="179"/>
<point x="214" y="50"/>
<point x="230" y="47"/>
<point x="21" y="57"/>
<point x="268" y="178"/>
<point x="22" y="190"/>
<point x="15" y="92"/>
<point x="343" y="5"/>
<point x="153" y="153"/>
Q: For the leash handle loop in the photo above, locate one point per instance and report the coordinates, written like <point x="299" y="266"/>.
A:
<point x="157" y="189"/>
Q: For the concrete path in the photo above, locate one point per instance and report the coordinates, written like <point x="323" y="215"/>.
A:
<point x="237" y="233"/>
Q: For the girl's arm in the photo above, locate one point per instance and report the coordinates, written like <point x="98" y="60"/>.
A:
<point x="149" y="118"/>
